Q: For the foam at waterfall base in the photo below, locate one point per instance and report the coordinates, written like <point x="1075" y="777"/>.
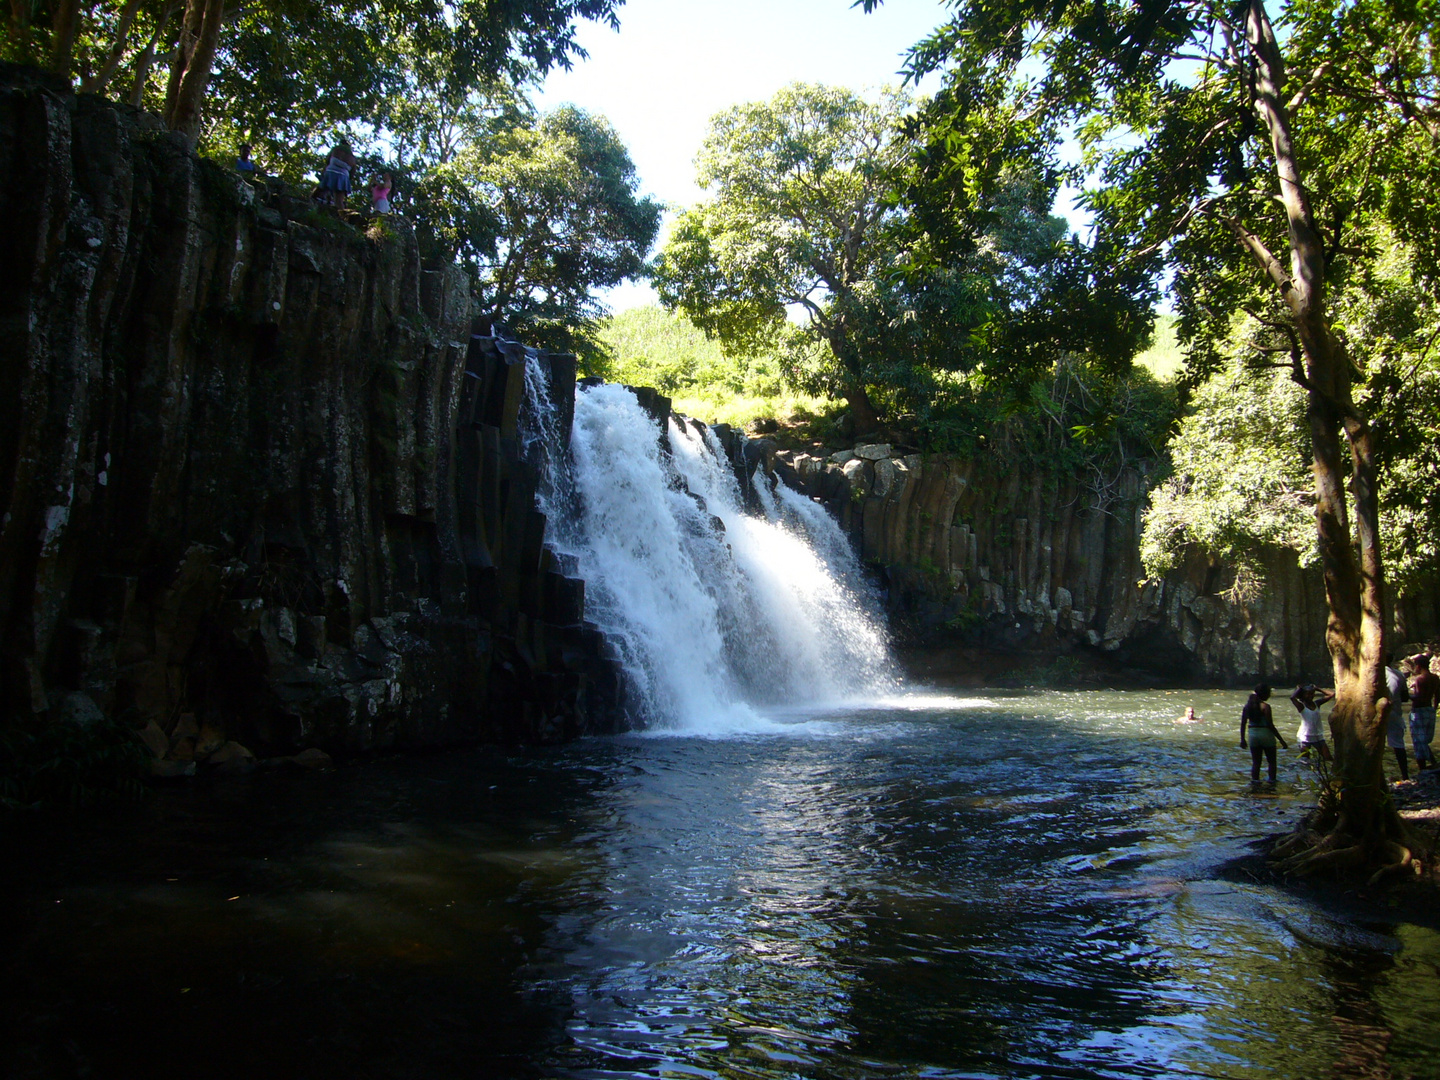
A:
<point x="861" y="717"/>
<point x="719" y="615"/>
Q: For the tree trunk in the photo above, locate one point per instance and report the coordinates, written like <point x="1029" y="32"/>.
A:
<point x="862" y="410"/>
<point x="190" y="70"/>
<point x="852" y="386"/>
<point x="146" y="60"/>
<point x="62" y="36"/>
<point x="1354" y="588"/>
<point x="18" y="26"/>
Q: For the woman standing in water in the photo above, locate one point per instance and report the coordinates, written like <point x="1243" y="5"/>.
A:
<point x="1262" y="734"/>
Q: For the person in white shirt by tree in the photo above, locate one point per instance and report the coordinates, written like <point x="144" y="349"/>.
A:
<point x="1307" y="700"/>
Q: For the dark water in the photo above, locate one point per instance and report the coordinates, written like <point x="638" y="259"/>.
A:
<point x="1018" y="887"/>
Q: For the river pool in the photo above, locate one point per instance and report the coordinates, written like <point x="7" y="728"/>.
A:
<point x="1004" y="884"/>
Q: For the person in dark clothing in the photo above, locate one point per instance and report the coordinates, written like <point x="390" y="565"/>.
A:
<point x="1257" y="732"/>
<point x="1424" y="689"/>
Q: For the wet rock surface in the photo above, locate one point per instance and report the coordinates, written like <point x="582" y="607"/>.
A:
<point x="261" y="485"/>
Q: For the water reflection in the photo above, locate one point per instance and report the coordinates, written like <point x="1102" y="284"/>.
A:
<point x="928" y="888"/>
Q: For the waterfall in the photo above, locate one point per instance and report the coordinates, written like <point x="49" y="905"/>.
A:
<point x="720" y="615"/>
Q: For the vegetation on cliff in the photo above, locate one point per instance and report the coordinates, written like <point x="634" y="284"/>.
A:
<point x="304" y="66"/>
<point x="542" y="215"/>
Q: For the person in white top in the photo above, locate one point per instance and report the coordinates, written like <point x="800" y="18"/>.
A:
<point x="1398" y="693"/>
<point x="1307" y="700"/>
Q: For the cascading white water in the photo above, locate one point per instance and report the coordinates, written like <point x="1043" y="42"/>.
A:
<point x="718" y="614"/>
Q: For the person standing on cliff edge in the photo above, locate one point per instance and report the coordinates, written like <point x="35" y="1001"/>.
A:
<point x="1256" y="718"/>
<point x="335" y="180"/>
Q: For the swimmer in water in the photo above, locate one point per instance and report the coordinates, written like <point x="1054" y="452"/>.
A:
<point x="1189" y="717"/>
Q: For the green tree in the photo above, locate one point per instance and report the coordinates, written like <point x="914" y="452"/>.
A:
<point x="543" y="215"/>
<point x="299" y="63"/>
<point x="1250" y="160"/>
<point x="797" y="217"/>
<point x="849" y="215"/>
<point x="1242" y="480"/>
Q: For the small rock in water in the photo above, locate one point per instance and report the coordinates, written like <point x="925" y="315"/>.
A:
<point x="314" y="758"/>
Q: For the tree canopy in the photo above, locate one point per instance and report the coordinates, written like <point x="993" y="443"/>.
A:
<point x="797" y="220"/>
<point x="301" y="65"/>
<point x="542" y="214"/>
<point x="836" y="220"/>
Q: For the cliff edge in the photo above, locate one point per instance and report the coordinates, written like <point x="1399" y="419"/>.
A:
<point x="260" y="484"/>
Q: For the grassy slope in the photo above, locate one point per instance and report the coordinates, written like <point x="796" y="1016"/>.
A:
<point x="656" y="348"/>
<point x="1164" y="358"/>
<point x="653" y="347"/>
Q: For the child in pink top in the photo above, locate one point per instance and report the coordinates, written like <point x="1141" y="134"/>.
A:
<point x="380" y="193"/>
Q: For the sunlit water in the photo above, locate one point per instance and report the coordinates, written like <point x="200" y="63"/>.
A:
<point x="1013" y="885"/>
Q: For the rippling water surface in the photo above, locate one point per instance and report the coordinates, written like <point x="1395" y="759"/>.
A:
<point x="1019" y="885"/>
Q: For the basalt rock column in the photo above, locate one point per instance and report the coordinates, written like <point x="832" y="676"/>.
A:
<point x="257" y="477"/>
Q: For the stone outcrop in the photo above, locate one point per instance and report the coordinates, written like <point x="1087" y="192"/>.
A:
<point x="256" y="475"/>
<point x="1031" y="561"/>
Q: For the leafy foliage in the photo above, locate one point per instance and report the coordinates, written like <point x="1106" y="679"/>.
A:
<point x="908" y="250"/>
<point x="1242" y="474"/>
<point x="289" y="73"/>
<point x="1241" y="477"/>
<point x="69" y="764"/>
<point x="797" y="221"/>
<point x="649" y="346"/>
<point x="542" y="215"/>
<point x="652" y="347"/>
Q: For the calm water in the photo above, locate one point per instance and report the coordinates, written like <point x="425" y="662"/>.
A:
<point x="1011" y="886"/>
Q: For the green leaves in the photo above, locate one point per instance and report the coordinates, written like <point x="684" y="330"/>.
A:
<point x="543" y="215"/>
<point x="799" y="221"/>
<point x="909" y="242"/>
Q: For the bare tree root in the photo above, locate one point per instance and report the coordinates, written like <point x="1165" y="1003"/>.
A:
<point x="1302" y="840"/>
<point x="1333" y="859"/>
<point x="1402" y="861"/>
<point x="1362" y="848"/>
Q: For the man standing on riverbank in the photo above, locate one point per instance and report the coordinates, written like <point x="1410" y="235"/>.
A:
<point x="1424" y="687"/>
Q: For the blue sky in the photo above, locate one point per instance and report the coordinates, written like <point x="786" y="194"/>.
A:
<point x="675" y="63"/>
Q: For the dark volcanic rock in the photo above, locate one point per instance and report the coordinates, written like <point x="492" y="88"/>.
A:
<point x="254" y="467"/>
<point x="990" y="555"/>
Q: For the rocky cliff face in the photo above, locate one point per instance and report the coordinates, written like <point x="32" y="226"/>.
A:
<point x="1015" y="560"/>
<point x="259" y="482"/>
